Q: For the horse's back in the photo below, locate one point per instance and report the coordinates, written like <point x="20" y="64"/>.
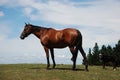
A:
<point x="67" y="32"/>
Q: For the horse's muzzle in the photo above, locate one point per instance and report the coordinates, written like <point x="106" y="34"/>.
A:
<point x="21" y="37"/>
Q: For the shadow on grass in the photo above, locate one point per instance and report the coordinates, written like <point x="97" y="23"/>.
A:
<point x="36" y="68"/>
<point x="58" y="69"/>
<point x="68" y="69"/>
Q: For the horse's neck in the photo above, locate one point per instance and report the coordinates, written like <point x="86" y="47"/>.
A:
<point x="38" y="32"/>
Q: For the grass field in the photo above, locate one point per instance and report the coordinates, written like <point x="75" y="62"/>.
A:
<point x="62" y="72"/>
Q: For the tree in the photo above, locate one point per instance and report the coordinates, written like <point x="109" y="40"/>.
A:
<point x="109" y="50"/>
<point x="89" y="56"/>
<point x="103" y="49"/>
<point x="93" y="56"/>
<point x="116" y="51"/>
<point x="106" y="50"/>
<point x="95" y="53"/>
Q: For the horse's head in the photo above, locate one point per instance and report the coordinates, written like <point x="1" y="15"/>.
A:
<point x="27" y="31"/>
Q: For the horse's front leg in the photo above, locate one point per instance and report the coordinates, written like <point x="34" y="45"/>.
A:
<point x="104" y="65"/>
<point x="52" y="55"/>
<point x="47" y="56"/>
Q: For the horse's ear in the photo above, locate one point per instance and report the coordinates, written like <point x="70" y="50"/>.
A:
<point x="25" y="23"/>
<point x="28" y="23"/>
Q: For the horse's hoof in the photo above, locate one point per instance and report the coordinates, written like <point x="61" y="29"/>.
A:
<point x="73" y="68"/>
<point x="53" y="67"/>
<point x="48" y="66"/>
<point x="87" y="70"/>
<point x="86" y="67"/>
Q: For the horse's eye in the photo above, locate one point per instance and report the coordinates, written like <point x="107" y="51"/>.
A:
<point x="25" y="29"/>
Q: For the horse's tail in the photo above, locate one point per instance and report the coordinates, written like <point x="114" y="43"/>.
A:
<point x="79" y="47"/>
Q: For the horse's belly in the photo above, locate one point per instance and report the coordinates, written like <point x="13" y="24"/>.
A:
<point x="57" y="46"/>
<point x="58" y="43"/>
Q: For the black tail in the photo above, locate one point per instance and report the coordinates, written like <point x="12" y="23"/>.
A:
<point x="79" y="47"/>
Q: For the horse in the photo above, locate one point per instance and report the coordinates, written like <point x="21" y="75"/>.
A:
<point x="51" y="38"/>
<point x="107" y="58"/>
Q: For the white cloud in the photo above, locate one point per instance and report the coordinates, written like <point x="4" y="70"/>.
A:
<point x="1" y="13"/>
<point x="98" y="14"/>
<point x="8" y="3"/>
<point x="4" y="30"/>
<point x="27" y="11"/>
<point x="104" y="13"/>
<point x="29" y="49"/>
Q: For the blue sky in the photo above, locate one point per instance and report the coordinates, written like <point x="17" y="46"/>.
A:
<point x="98" y="21"/>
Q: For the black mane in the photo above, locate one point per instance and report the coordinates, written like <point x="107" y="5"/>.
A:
<point x="38" y="27"/>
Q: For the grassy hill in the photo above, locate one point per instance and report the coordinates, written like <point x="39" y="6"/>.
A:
<point x="62" y="72"/>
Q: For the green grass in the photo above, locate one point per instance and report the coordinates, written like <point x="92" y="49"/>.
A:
<point x="62" y="72"/>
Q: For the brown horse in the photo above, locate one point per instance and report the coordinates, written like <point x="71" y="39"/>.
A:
<point x="51" y="38"/>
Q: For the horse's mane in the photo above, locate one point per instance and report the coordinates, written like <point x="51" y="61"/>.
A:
<point x="38" y="27"/>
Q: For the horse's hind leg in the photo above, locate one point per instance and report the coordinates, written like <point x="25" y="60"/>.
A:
<point x="72" y="51"/>
<point x="75" y="57"/>
<point x="114" y="65"/>
<point x="52" y="55"/>
<point x="84" y="56"/>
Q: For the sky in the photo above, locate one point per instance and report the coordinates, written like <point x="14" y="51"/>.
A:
<point x="97" y="20"/>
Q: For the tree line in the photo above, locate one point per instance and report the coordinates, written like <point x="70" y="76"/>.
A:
<point x="93" y="54"/>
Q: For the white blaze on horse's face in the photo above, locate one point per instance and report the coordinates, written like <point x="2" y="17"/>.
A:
<point x="100" y="55"/>
<point x="26" y="31"/>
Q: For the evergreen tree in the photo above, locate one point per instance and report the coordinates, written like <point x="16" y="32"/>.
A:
<point x="89" y="56"/>
<point x="95" y="56"/>
<point x="109" y="50"/>
<point x="103" y="49"/>
<point x="106" y="50"/>
<point x="116" y="51"/>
